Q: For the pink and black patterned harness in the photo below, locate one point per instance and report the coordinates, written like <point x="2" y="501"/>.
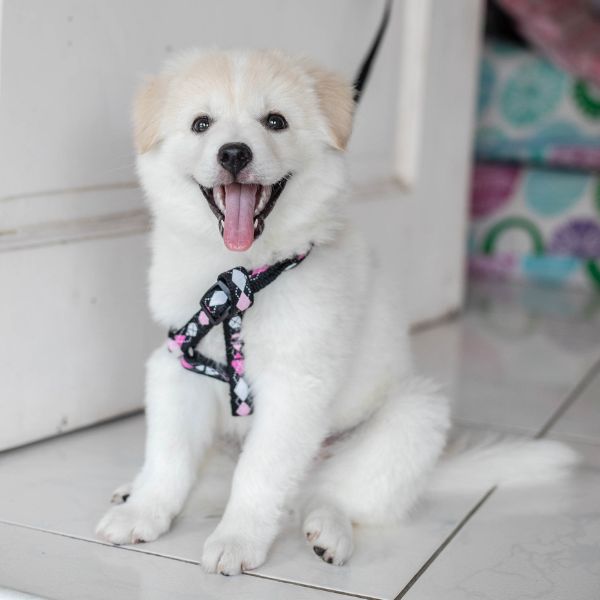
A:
<point x="226" y="302"/>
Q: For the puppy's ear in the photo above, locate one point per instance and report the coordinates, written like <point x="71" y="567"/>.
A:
<point x="147" y="111"/>
<point x="336" y="100"/>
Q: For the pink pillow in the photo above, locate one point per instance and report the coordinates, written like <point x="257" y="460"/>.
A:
<point x="567" y="31"/>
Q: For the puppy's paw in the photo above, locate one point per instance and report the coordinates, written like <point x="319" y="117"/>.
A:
<point x="121" y="494"/>
<point x="232" y="554"/>
<point x="133" y="523"/>
<point x="329" y="532"/>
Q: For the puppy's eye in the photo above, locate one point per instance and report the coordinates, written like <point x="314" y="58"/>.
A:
<point x="201" y="124"/>
<point x="275" y="122"/>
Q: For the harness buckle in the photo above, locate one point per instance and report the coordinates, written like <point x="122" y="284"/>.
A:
<point x="216" y="303"/>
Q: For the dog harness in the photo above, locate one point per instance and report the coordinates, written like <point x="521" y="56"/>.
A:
<point x="226" y="302"/>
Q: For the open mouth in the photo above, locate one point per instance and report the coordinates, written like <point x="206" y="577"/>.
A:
<point x="241" y="209"/>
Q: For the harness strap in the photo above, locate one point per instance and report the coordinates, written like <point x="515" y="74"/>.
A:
<point x="226" y="302"/>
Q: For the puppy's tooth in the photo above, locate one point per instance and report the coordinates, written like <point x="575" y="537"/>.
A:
<point x="265" y="194"/>
<point x="219" y="196"/>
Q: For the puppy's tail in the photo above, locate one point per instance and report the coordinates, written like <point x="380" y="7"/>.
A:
<point x="478" y="464"/>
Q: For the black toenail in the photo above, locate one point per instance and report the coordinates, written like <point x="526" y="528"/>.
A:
<point x="224" y="574"/>
<point x="330" y="560"/>
<point x="318" y="550"/>
<point x="125" y="496"/>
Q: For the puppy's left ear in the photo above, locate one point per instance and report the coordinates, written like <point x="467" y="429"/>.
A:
<point x="147" y="113"/>
<point x="336" y="100"/>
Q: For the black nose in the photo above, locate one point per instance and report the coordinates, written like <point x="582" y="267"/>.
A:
<point x="234" y="157"/>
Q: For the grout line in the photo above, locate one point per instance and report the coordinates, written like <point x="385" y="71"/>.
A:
<point x="569" y="400"/>
<point x="19" y="594"/>
<point x="310" y="586"/>
<point x="445" y="543"/>
<point x="187" y="561"/>
<point x="77" y="538"/>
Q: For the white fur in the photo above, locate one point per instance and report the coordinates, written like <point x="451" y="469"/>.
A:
<point x="472" y="465"/>
<point x="326" y="346"/>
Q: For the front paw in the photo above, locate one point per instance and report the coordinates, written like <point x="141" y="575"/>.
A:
<point x="230" y="554"/>
<point x="133" y="523"/>
<point x="329" y="532"/>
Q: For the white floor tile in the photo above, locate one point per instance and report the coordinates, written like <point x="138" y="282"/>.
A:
<point x="53" y="566"/>
<point x="64" y="485"/>
<point x="385" y="559"/>
<point x="541" y="543"/>
<point x="514" y="356"/>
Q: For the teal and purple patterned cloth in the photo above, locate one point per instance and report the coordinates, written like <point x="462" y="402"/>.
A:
<point x="535" y="206"/>
<point x="531" y="111"/>
<point x="537" y="224"/>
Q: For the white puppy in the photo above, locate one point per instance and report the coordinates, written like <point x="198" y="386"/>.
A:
<point x="326" y="348"/>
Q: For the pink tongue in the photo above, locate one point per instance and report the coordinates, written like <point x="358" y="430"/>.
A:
<point x="238" y="229"/>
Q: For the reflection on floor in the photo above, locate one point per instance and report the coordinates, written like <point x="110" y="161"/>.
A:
<point x="520" y="360"/>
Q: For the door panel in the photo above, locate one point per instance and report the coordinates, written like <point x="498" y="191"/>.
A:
<point x="72" y="220"/>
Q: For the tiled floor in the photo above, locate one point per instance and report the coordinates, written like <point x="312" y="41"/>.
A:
<point x="520" y="360"/>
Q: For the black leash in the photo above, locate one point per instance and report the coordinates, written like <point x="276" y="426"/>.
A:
<point x="363" y="74"/>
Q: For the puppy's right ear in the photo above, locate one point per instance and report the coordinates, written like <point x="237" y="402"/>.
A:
<point x="147" y="112"/>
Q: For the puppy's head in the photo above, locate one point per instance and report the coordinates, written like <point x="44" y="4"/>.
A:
<point x="227" y="139"/>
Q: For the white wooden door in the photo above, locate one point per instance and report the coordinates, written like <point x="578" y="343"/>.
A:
<point x="73" y="254"/>
<point x="412" y="199"/>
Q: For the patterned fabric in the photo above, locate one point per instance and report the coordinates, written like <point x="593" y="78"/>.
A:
<point x="226" y="302"/>
<point x="530" y="218"/>
<point x="531" y="111"/>
<point x="535" y="224"/>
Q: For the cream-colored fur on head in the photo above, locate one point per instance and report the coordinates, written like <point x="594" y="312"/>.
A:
<point x="148" y="108"/>
<point x="326" y="345"/>
<point x="333" y="93"/>
<point x="335" y="101"/>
